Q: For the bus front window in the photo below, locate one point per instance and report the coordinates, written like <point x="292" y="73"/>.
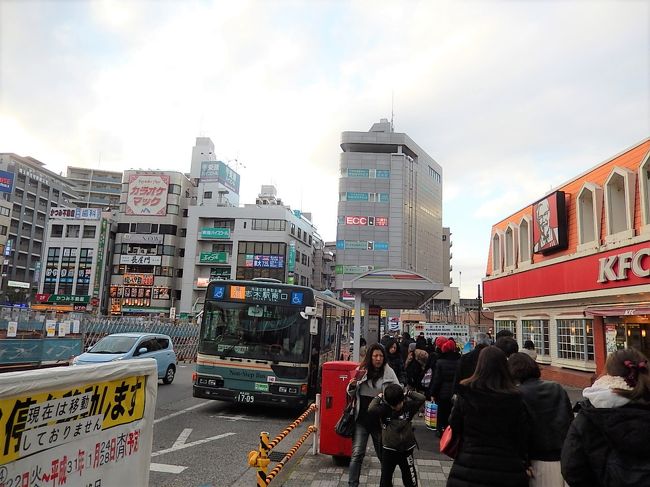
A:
<point x="262" y="332"/>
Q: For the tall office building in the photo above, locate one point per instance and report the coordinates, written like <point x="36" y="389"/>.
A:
<point x="36" y="191"/>
<point x="216" y="182"/>
<point x="390" y="205"/>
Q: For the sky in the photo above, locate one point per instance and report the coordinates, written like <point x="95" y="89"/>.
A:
<point x="511" y="98"/>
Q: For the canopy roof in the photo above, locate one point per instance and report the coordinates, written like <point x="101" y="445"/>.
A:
<point x="393" y="288"/>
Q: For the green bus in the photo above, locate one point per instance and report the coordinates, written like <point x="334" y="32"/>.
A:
<point x="263" y="342"/>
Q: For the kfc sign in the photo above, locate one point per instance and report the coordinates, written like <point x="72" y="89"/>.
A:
<point x="379" y="221"/>
<point x="616" y="267"/>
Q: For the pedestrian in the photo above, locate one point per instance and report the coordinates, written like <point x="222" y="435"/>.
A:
<point x="372" y="376"/>
<point x="529" y="349"/>
<point x="394" y="359"/>
<point x="404" y="345"/>
<point x="490" y="418"/>
<point x="421" y="342"/>
<point x="441" y="389"/>
<point x="467" y="362"/>
<point x="549" y="407"/>
<point x="395" y="411"/>
<point x="504" y="333"/>
<point x="414" y="368"/>
<point x="508" y="345"/>
<point x="362" y="348"/>
<point x="607" y="444"/>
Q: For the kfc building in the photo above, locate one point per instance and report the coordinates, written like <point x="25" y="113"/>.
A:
<point x="571" y="271"/>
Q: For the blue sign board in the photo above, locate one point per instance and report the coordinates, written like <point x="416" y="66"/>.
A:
<point x="6" y="182"/>
<point x="357" y="196"/>
<point x="382" y="173"/>
<point x="381" y="245"/>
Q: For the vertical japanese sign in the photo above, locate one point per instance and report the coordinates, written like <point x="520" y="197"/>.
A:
<point x="60" y="427"/>
<point x="99" y="269"/>
<point x="291" y="261"/>
<point x="147" y="195"/>
<point x="228" y="177"/>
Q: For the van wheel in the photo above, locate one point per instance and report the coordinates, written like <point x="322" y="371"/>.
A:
<point x="169" y="375"/>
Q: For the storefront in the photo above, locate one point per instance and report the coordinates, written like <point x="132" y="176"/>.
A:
<point x="571" y="272"/>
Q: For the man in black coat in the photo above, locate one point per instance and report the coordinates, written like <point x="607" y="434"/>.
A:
<point x="467" y="362"/>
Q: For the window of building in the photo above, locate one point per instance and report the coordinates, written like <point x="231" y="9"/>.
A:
<point x="174" y="189"/>
<point x="590" y="202"/>
<point x="173" y="209"/>
<point x="72" y="231"/>
<point x="619" y="203"/>
<point x="219" y="273"/>
<point x="537" y="331"/>
<point x="181" y="252"/>
<point x="575" y="339"/>
<point x="183" y="232"/>
<point x="89" y="231"/>
<point x="497" y="264"/>
<point x="644" y="190"/>
<point x="221" y="247"/>
<point x="168" y="229"/>
<point x="185" y="212"/>
<point x="525" y="238"/>
<point x="207" y="195"/>
<point x="166" y="250"/>
<point x="511" y="246"/>
<point x="57" y="231"/>
<point x="300" y="233"/>
<point x="4" y="229"/>
<point x="310" y="240"/>
<point x="122" y="228"/>
<point x="224" y="224"/>
<point x="141" y="227"/>
<point x="293" y="229"/>
<point x="510" y="325"/>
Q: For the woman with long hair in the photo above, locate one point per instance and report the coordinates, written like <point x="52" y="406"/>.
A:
<point x="551" y="415"/>
<point x="368" y="381"/>
<point x="607" y="444"/>
<point x="490" y="418"/>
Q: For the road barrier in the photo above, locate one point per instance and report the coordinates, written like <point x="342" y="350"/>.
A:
<point x="260" y="458"/>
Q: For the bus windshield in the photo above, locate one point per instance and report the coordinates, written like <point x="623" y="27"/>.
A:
<point x="255" y="331"/>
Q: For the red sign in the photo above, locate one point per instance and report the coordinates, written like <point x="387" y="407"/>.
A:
<point x="622" y="267"/>
<point x="94" y="301"/>
<point x="42" y="298"/>
<point x="381" y="221"/>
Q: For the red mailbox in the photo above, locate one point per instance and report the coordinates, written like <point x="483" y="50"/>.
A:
<point x="335" y="378"/>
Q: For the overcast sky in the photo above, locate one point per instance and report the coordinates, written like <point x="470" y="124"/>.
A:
<point x="511" y="98"/>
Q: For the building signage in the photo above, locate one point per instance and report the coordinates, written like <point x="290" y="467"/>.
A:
<point x="6" y="182"/>
<point x="20" y="284"/>
<point x="36" y="176"/>
<point x="550" y="224"/>
<point x="214" y="257"/>
<point x="358" y="173"/>
<point x="147" y="195"/>
<point x="62" y="298"/>
<point x="351" y="196"/>
<point x="265" y="294"/>
<point x="138" y="279"/>
<point x="623" y="267"/>
<point x="202" y="282"/>
<point x="353" y="269"/>
<point x="616" y="267"/>
<point x="141" y="259"/>
<point x="100" y="258"/>
<point x="264" y="261"/>
<point x="228" y="177"/>
<point x="377" y="221"/>
<point x="143" y="238"/>
<point x="210" y="170"/>
<point x="76" y="213"/>
<point x="215" y="233"/>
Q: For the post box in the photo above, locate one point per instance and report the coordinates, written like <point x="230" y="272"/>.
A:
<point x="335" y="378"/>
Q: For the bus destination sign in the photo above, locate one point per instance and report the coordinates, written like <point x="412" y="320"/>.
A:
<point x="261" y="294"/>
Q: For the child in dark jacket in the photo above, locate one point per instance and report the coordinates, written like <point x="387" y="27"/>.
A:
<point x="395" y="411"/>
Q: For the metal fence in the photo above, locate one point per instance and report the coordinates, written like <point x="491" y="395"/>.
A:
<point x="184" y="334"/>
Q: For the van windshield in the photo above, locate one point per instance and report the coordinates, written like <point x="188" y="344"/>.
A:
<point x="114" y="344"/>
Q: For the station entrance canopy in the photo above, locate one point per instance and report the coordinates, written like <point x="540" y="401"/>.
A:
<point x="389" y="289"/>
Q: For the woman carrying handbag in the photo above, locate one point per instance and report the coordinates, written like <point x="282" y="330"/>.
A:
<point x="369" y="380"/>
<point x="490" y="420"/>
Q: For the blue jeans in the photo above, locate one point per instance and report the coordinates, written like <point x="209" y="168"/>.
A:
<point x="359" y="445"/>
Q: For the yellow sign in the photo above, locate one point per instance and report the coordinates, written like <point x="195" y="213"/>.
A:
<point x="363" y="312"/>
<point x="33" y="423"/>
<point x="237" y="292"/>
<point x="384" y="313"/>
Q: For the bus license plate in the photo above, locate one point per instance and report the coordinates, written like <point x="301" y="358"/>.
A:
<point x="245" y="397"/>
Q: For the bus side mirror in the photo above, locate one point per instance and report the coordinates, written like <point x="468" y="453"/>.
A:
<point x="313" y="326"/>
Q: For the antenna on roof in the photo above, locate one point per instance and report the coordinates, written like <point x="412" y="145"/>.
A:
<point x="392" y="111"/>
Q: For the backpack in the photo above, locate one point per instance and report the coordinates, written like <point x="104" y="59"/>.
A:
<point x="426" y="380"/>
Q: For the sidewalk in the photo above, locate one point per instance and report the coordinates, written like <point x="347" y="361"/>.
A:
<point x="320" y="470"/>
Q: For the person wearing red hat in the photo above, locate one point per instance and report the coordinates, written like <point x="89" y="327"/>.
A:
<point x="442" y="384"/>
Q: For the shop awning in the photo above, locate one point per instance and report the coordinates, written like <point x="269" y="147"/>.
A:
<point x="619" y="311"/>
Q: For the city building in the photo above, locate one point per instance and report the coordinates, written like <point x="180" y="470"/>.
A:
<point x="36" y="191"/>
<point x="390" y="206"/>
<point x="324" y="264"/>
<point x="571" y="270"/>
<point x="215" y="181"/>
<point x="96" y="188"/>
<point x="150" y="243"/>
<point x="76" y="263"/>
<point x="265" y="240"/>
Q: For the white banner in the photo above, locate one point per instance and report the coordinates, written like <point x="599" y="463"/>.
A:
<point x="147" y="194"/>
<point x="140" y="259"/>
<point x="78" y="426"/>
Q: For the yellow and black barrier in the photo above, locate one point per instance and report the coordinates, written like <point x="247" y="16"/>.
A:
<point x="260" y="458"/>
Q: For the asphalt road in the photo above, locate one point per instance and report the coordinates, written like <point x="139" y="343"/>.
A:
<point x="198" y="442"/>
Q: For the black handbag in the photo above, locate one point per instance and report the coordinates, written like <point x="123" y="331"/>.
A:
<point x="345" y="425"/>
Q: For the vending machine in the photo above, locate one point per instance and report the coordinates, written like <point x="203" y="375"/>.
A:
<point x="335" y="378"/>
